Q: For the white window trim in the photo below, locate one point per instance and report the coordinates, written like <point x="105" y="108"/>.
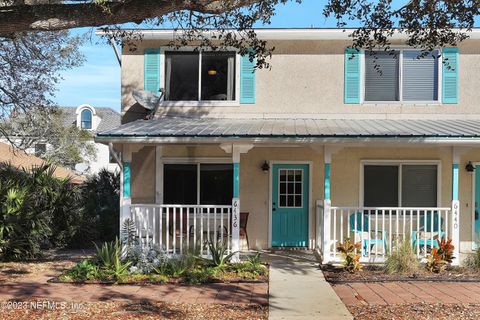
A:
<point x="400" y="85"/>
<point x="200" y="103"/>
<point x="399" y="163"/>
<point x="193" y="161"/>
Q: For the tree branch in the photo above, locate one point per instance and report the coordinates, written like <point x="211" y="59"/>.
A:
<point x="58" y="16"/>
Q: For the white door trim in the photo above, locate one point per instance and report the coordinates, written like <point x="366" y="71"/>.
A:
<point x="472" y="211"/>
<point x="270" y="197"/>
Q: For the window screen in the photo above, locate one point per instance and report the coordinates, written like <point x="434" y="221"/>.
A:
<point x="218" y="76"/>
<point x="380" y="186"/>
<point x="180" y="184"/>
<point x="420" y="76"/>
<point x="381" y="76"/>
<point x="419" y="186"/>
<point x="181" y="76"/>
<point x="216" y="184"/>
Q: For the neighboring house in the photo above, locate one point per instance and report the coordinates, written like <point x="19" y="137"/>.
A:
<point x="318" y="149"/>
<point x="21" y="160"/>
<point x="92" y="119"/>
<point x="95" y="119"/>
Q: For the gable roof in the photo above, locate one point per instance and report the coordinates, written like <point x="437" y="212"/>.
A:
<point x="19" y="159"/>
<point x="110" y="118"/>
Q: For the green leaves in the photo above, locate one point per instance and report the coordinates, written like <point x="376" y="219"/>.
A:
<point x="351" y="258"/>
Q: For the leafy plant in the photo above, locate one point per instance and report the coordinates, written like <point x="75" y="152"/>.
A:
<point x="439" y="258"/>
<point x="218" y="254"/>
<point x="351" y="259"/>
<point x="109" y="258"/>
<point x="84" y="270"/>
<point x="402" y="259"/>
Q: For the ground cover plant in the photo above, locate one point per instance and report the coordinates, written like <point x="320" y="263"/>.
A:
<point x="149" y="263"/>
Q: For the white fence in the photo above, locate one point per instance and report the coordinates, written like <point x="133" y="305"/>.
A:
<point x="381" y="230"/>
<point x="176" y="228"/>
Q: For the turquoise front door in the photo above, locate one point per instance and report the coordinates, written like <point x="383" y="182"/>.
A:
<point x="290" y="205"/>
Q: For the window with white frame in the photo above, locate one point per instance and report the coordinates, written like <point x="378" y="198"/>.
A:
<point x="198" y="183"/>
<point x="400" y="185"/>
<point x="86" y="119"/>
<point x="200" y="76"/>
<point x="401" y="75"/>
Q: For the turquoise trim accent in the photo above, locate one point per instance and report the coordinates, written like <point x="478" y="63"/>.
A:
<point x="247" y="80"/>
<point x="450" y="75"/>
<point x="455" y="181"/>
<point x="236" y="180"/>
<point x="152" y="70"/>
<point x="126" y="179"/>
<point x="327" y="181"/>
<point x="351" y="93"/>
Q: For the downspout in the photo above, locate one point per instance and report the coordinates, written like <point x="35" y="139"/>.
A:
<point x="115" y="155"/>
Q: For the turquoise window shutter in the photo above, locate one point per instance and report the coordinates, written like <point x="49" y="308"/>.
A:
<point x="351" y="92"/>
<point x="152" y="70"/>
<point x="450" y="75"/>
<point x="247" y="80"/>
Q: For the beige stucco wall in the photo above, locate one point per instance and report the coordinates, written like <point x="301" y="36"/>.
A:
<point x="345" y="179"/>
<point x="307" y="78"/>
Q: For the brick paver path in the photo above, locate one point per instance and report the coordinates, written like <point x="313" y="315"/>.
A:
<point x="383" y="293"/>
<point x="220" y="293"/>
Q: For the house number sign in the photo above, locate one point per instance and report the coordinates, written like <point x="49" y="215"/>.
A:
<point x="235" y="228"/>
<point x="455" y="206"/>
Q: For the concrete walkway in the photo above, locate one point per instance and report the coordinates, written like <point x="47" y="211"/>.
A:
<point x="298" y="289"/>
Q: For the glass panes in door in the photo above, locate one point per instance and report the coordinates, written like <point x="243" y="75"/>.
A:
<point x="290" y="183"/>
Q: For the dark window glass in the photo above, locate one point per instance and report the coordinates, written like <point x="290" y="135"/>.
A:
<point x="181" y="76"/>
<point x="380" y="186"/>
<point x="218" y="76"/>
<point x="180" y="184"/>
<point x="216" y="184"/>
<point x="381" y="76"/>
<point x="86" y="119"/>
<point x="419" y="186"/>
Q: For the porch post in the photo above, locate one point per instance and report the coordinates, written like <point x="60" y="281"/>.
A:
<point x="455" y="211"/>
<point x="236" y="204"/>
<point x="125" y="196"/>
<point x="326" y="206"/>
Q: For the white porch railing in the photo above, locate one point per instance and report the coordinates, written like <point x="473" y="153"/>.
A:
<point x="381" y="230"/>
<point x="177" y="228"/>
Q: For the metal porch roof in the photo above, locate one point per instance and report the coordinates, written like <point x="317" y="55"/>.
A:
<point x="295" y="128"/>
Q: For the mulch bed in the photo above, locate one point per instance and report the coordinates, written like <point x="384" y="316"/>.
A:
<point x="372" y="273"/>
<point x="417" y="311"/>
<point x="140" y="310"/>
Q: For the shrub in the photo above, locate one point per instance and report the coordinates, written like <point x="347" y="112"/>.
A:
<point x="472" y="261"/>
<point x="440" y="258"/>
<point x="35" y="206"/>
<point x="218" y="254"/>
<point x="145" y="259"/>
<point x="109" y="259"/>
<point x="351" y="260"/>
<point x="402" y="260"/>
<point x="84" y="270"/>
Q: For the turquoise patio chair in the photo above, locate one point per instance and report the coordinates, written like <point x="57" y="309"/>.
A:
<point x="427" y="240"/>
<point x="368" y="242"/>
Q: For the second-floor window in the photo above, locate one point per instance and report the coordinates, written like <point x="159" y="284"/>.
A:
<point x="403" y="76"/>
<point x="86" y="119"/>
<point x="195" y="76"/>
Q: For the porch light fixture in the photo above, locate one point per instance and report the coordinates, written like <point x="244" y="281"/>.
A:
<point x="265" y="167"/>
<point x="469" y="167"/>
<point x="212" y="72"/>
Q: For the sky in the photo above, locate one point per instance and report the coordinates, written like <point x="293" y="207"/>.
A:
<point x="97" y="82"/>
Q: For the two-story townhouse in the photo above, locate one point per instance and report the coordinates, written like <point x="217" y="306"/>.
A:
<point x="320" y="148"/>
